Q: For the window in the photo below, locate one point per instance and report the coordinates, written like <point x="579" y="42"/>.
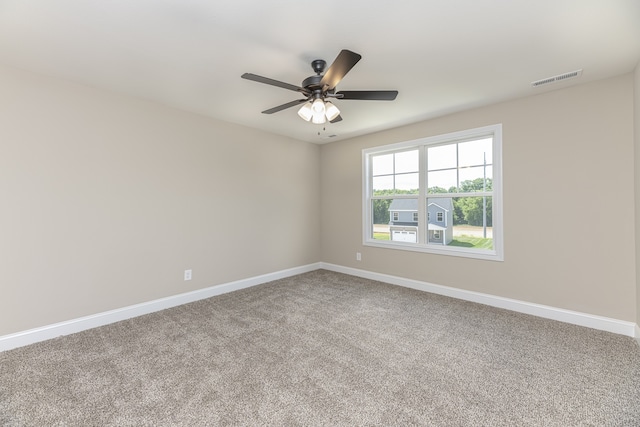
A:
<point x="455" y="178"/>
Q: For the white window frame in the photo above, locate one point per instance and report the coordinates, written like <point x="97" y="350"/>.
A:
<point x="495" y="254"/>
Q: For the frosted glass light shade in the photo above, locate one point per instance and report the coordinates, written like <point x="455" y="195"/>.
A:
<point x="331" y="111"/>
<point x="305" y="111"/>
<point x="318" y="106"/>
<point x="318" y="112"/>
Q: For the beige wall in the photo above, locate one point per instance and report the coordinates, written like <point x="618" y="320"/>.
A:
<point x="106" y="200"/>
<point x="567" y="162"/>
<point x="637" y="184"/>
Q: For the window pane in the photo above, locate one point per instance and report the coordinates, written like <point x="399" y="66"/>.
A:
<point x="458" y="221"/>
<point x="442" y="181"/>
<point x="472" y="179"/>
<point x="408" y="182"/>
<point x="442" y="157"/>
<point x="383" y="165"/>
<point x="472" y="223"/>
<point x="381" y="183"/>
<point x="380" y="215"/>
<point x="396" y="171"/>
<point x="475" y="153"/>
<point x="407" y="161"/>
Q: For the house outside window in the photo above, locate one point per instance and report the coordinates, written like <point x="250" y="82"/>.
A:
<point x="455" y="178"/>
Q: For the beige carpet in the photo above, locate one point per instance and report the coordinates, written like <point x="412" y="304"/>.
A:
<point x="323" y="349"/>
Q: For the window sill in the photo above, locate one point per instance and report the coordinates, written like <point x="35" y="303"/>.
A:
<point x="434" y="249"/>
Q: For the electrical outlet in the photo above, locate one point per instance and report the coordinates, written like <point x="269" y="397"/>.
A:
<point x="358" y="256"/>
<point x="187" y="275"/>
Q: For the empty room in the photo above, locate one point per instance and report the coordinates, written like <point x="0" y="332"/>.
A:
<point x="324" y="214"/>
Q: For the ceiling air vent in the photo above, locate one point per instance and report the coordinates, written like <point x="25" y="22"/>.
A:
<point x="565" y="76"/>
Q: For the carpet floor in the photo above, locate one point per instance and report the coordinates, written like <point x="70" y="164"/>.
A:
<point x="326" y="349"/>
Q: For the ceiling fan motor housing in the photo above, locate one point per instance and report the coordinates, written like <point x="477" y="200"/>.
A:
<point x="312" y="82"/>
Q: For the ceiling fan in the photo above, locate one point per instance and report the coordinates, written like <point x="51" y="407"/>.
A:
<point x="319" y="89"/>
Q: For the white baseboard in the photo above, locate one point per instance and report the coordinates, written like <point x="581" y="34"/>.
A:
<point x="577" y="318"/>
<point x="19" y="339"/>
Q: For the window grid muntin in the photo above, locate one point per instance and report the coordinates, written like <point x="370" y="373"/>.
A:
<point x="394" y="173"/>
<point x="458" y="168"/>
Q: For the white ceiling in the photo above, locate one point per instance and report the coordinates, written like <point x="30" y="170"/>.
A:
<point x="442" y="56"/>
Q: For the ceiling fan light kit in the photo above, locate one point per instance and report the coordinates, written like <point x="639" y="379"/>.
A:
<point x="318" y="111"/>
<point x="316" y="89"/>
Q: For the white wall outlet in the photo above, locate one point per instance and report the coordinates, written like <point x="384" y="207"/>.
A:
<point x="358" y="256"/>
<point x="187" y="275"/>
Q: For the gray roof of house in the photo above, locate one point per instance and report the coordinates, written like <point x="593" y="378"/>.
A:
<point x="404" y="205"/>
<point x="444" y="202"/>
<point x="411" y="205"/>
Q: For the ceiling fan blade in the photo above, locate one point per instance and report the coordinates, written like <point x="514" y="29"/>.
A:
<point x="272" y="82"/>
<point x="337" y="119"/>
<point x="368" y="95"/>
<point x="343" y="63"/>
<point x="284" y="106"/>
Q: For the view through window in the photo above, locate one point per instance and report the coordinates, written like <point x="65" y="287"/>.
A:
<point x="441" y="194"/>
